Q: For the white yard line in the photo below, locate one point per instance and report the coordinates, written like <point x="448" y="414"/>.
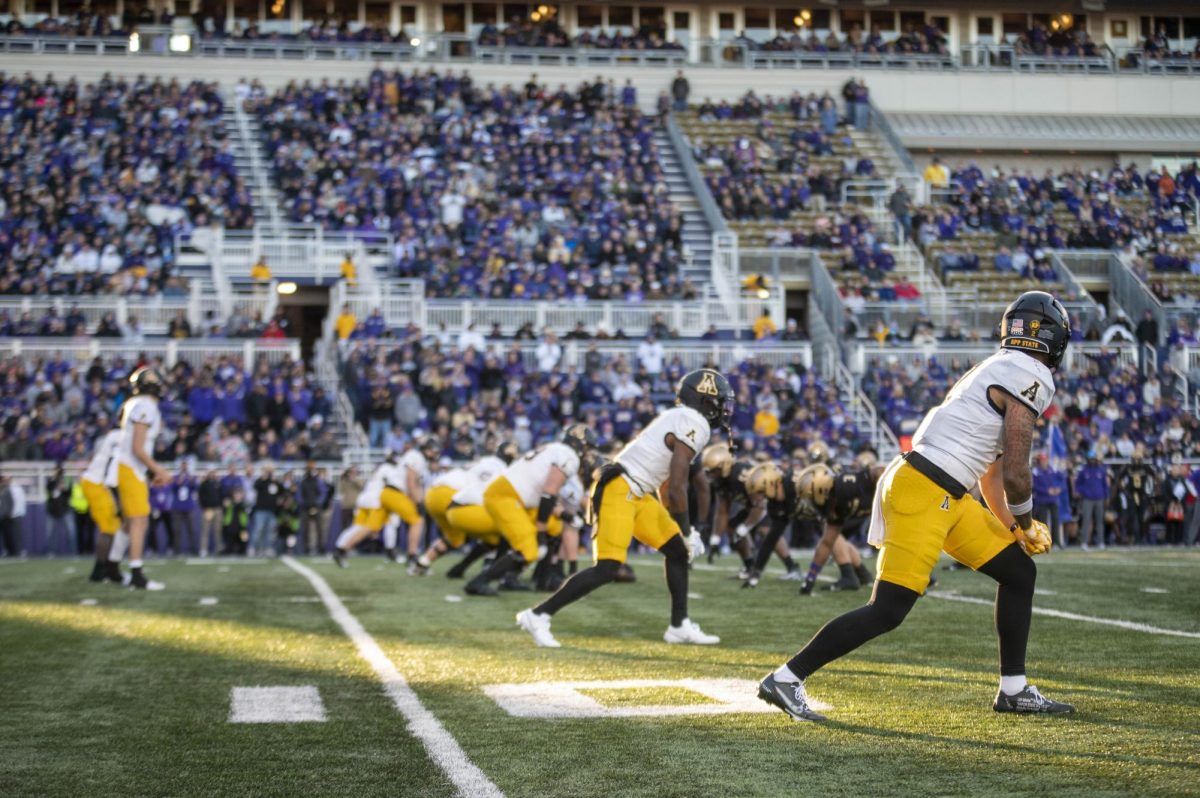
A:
<point x="1072" y="616"/>
<point x="441" y="746"/>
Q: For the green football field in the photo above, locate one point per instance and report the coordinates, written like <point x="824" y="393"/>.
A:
<point x="108" y="692"/>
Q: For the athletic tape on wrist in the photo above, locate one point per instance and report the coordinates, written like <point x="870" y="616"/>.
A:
<point x="1022" y="508"/>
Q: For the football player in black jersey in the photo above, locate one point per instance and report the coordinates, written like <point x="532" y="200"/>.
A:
<point x="815" y="492"/>
<point x="843" y="502"/>
<point x="727" y="479"/>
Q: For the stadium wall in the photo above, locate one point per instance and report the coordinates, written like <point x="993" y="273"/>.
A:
<point x="952" y="92"/>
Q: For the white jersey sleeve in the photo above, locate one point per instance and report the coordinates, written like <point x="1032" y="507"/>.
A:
<point x="105" y="449"/>
<point x="571" y="497"/>
<point x="487" y="469"/>
<point x="528" y="475"/>
<point x="647" y="460"/>
<point x="138" y="410"/>
<point x="964" y="435"/>
<point x="413" y="461"/>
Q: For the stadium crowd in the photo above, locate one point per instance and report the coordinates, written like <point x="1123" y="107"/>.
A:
<point x="1022" y="215"/>
<point x="525" y="32"/>
<point x="98" y="179"/>
<point x="490" y="192"/>
<point x="927" y="39"/>
<point x="218" y="410"/>
<point x="50" y="323"/>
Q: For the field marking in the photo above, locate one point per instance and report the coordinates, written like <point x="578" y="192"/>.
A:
<point x="89" y="602"/>
<point x="1155" y="590"/>
<point x="224" y="561"/>
<point x="1072" y="616"/>
<point x="276" y="705"/>
<point x="208" y="601"/>
<point x="441" y="746"/>
<point x="563" y="700"/>
<point x="453" y="599"/>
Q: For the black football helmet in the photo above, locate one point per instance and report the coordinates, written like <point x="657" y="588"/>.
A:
<point x="507" y="452"/>
<point x="709" y="394"/>
<point x="430" y="446"/>
<point x="1036" y="322"/>
<point x="581" y="438"/>
<point x="148" y="380"/>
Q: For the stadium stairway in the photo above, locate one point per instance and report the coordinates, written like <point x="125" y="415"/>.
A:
<point x="697" y="235"/>
<point x="245" y="136"/>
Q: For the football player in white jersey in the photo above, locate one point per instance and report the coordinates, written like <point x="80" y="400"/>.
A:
<point x="440" y="495"/>
<point x="523" y="498"/>
<point x="980" y="435"/>
<point x="625" y="506"/>
<point x="134" y="467"/>
<point x="103" y="509"/>
<point x="396" y="487"/>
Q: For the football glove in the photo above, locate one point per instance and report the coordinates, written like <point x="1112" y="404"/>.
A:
<point x="695" y="544"/>
<point x="1035" y="540"/>
<point x="741" y="531"/>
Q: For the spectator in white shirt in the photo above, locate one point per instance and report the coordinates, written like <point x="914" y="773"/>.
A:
<point x="549" y="352"/>
<point x="452" y="208"/>
<point x="471" y="338"/>
<point x="650" y="355"/>
<point x="626" y="388"/>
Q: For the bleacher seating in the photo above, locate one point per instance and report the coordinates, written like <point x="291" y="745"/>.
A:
<point x="101" y="176"/>
<point x="489" y="192"/>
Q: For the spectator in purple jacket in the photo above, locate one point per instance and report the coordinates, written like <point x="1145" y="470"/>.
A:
<point x="1092" y="490"/>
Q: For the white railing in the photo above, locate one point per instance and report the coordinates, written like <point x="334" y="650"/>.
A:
<point x="262" y="177"/>
<point x="168" y="350"/>
<point x="152" y="313"/>
<point x="723" y="355"/>
<point x="1077" y="358"/>
<point x="300" y="252"/>
<point x="688" y="319"/>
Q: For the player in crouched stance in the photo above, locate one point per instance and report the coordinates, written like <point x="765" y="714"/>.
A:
<point x="520" y="504"/>
<point x="981" y="434"/>
<point x="625" y="506"/>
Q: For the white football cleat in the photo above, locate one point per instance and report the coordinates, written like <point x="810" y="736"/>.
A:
<point x="689" y="632"/>
<point x="538" y="626"/>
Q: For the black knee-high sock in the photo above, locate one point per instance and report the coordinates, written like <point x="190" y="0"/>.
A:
<point x="766" y="546"/>
<point x="579" y="585"/>
<point x="676" y="567"/>
<point x="1016" y="573"/>
<point x="476" y="553"/>
<point x="883" y="613"/>
<point x="512" y="562"/>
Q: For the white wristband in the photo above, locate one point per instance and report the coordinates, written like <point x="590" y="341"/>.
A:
<point x="1022" y="508"/>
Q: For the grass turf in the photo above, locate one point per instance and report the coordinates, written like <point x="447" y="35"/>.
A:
<point x="131" y="696"/>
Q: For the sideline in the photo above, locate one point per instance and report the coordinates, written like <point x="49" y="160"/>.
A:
<point x="441" y="746"/>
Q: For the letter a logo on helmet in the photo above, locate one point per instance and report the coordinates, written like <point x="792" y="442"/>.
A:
<point x="708" y="385"/>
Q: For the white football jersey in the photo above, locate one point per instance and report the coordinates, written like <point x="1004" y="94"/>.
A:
<point x="647" y="460"/>
<point x="964" y="434"/>
<point x="415" y="462"/>
<point x="571" y="497"/>
<point x="479" y="474"/>
<point x="528" y="475"/>
<point x="387" y="475"/>
<point x="454" y="478"/>
<point x="106" y="448"/>
<point x="136" y="410"/>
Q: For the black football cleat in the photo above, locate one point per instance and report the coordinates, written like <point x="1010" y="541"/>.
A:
<point x="480" y="589"/>
<point x="99" y="572"/>
<point x="806" y="589"/>
<point x="788" y="696"/>
<point x="138" y="581"/>
<point x="753" y="577"/>
<point x="1029" y="701"/>
<point x="112" y="573"/>
<point x="391" y="555"/>
<point x="339" y="557"/>
<point x="849" y="582"/>
<point x="510" y="582"/>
